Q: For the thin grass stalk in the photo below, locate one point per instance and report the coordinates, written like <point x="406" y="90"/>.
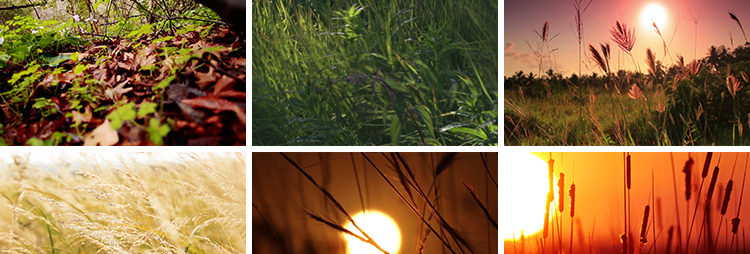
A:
<point x="727" y="196"/>
<point x="626" y="184"/>
<point x="709" y="196"/>
<point x="486" y="168"/>
<point x="669" y="239"/>
<point x="433" y="210"/>
<point x="480" y="203"/>
<point x="653" y="200"/>
<point x="736" y="220"/>
<point x="335" y="202"/>
<point x="733" y="17"/>
<point x="677" y="207"/>
<point x="572" y="193"/>
<point x="630" y="212"/>
<point x="704" y="173"/>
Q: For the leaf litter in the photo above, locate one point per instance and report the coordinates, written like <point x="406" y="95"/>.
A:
<point x="188" y="89"/>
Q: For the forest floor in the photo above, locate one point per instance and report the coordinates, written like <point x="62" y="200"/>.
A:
<point x="145" y="89"/>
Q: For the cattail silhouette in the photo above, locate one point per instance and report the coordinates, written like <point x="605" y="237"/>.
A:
<point x="735" y="224"/>
<point x="644" y="224"/>
<point x="628" y="170"/>
<point x="713" y="183"/>
<point x="688" y="172"/>
<point x="561" y="190"/>
<point x="726" y="197"/>
<point x="669" y="239"/>
<point x="706" y="164"/>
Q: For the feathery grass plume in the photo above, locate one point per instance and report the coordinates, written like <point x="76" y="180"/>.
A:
<point x="606" y="52"/>
<point x="623" y="37"/>
<point x="545" y="31"/>
<point x="727" y="194"/>
<point x="650" y="60"/>
<point x="635" y="93"/>
<point x="694" y="67"/>
<point x="733" y="84"/>
<point x="732" y="16"/>
<point x="561" y="190"/>
<point x="598" y="59"/>
<point x="688" y="169"/>
<point x="644" y="224"/>
<point x="663" y="43"/>
<point x="572" y="193"/>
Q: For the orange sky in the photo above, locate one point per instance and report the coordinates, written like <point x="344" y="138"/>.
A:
<point x="599" y="194"/>
<point x="281" y="195"/>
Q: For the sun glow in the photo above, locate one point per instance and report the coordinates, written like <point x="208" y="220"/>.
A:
<point x="526" y="193"/>
<point x="378" y="226"/>
<point x="654" y="13"/>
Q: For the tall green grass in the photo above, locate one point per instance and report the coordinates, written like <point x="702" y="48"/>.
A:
<point x="375" y="72"/>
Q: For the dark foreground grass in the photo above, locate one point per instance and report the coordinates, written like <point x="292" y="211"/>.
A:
<point x="400" y="72"/>
<point x="441" y="202"/>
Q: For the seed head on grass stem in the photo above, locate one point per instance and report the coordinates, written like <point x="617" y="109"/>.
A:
<point x="628" y="165"/>
<point x="644" y="224"/>
<point x="706" y="164"/>
<point x="599" y="59"/>
<point x="623" y="37"/>
<point x="727" y="194"/>
<point x="688" y="169"/>
<point x="733" y="17"/>
<point x="713" y="183"/>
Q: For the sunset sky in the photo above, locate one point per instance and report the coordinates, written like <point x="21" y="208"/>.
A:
<point x="714" y="28"/>
<point x="281" y="195"/>
<point x="599" y="197"/>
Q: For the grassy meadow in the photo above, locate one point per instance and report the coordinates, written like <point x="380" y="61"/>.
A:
<point x="396" y="72"/>
<point x="195" y="204"/>
<point x="441" y="202"/>
<point x="671" y="101"/>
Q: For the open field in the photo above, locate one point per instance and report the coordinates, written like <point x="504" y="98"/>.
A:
<point x="193" y="203"/>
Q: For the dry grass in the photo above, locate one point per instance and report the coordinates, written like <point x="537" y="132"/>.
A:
<point x="196" y="205"/>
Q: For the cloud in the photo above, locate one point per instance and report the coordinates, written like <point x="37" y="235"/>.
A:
<point x="524" y="58"/>
<point x="529" y="61"/>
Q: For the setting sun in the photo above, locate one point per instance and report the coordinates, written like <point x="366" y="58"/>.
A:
<point x="654" y="13"/>
<point x="378" y="226"/>
<point x="528" y="193"/>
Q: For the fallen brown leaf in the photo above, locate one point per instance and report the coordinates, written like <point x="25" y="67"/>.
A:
<point x="103" y="135"/>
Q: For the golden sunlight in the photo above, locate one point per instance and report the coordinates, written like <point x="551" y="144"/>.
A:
<point x="378" y="226"/>
<point x="527" y="194"/>
<point x="654" y="13"/>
